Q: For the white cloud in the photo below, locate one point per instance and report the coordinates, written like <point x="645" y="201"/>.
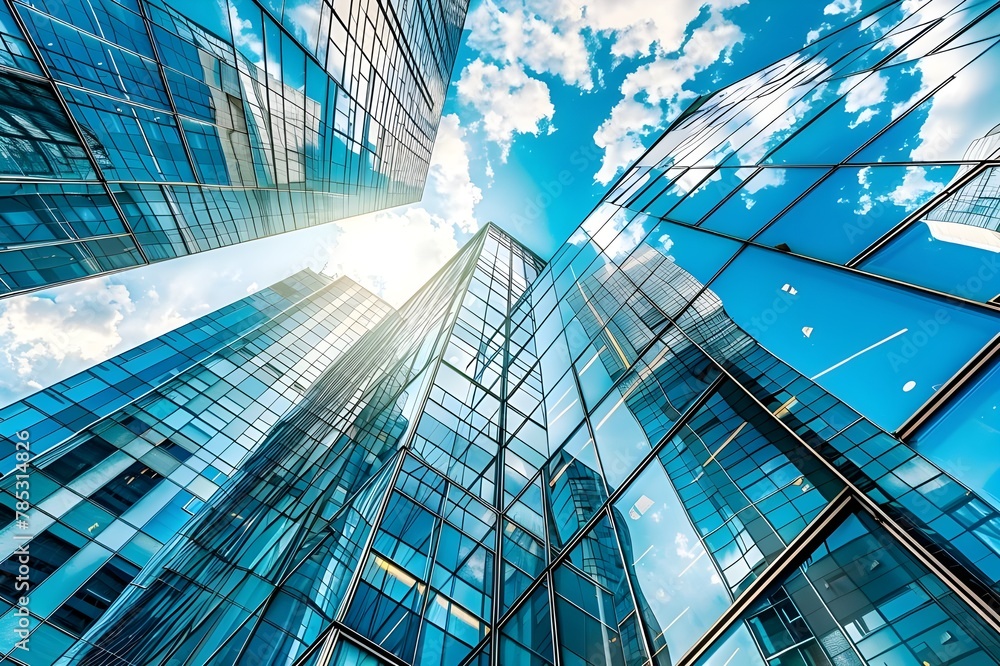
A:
<point x="869" y="92"/>
<point x="79" y="325"/>
<point x="767" y="178"/>
<point x="510" y="101"/>
<point x="559" y="38"/>
<point x="849" y="7"/>
<point x="305" y="17"/>
<point x="766" y="121"/>
<point x="245" y="36"/>
<point x="863" y="177"/>
<point x="545" y="37"/>
<point x="598" y="219"/>
<point x="862" y="97"/>
<point x="621" y="136"/>
<point x="755" y="123"/>
<point x="50" y="335"/>
<point x="639" y="27"/>
<point x="655" y="92"/>
<point x="453" y="195"/>
<point x="83" y="321"/>
<point x="556" y="36"/>
<point x="813" y="35"/>
<point x="915" y="188"/>
<point x="962" y="111"/>
<point x="865" y="205"/>
<point x="863" y="117"/>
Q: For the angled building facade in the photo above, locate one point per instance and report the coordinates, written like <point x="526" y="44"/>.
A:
<point x="780" y="330"/>
<point x="746" y="415"/>
<point x="140" y="131"/>
<point x="63" y="409"/>
<point x="128" y="450"/>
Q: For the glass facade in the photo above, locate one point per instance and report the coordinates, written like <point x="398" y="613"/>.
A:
<point x="712" y="430"/>
<point x="136" y="131"/>
<point x="147" y="437"/>
<point x="63" y="409"/>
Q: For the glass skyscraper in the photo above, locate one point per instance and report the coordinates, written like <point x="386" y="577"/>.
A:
<point x="282" y="309"/>
<point x="136" y="131"/>
<point x="745" y="416"/>
<point x="134" y="446"/>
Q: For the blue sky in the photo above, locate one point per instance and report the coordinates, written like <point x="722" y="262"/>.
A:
<point x="568" y="145"/>
<point x="549" y="101"/>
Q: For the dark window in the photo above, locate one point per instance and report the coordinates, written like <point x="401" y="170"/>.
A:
<point x="84" y="608"/>
<point x="136" y="425"/>
<point x="174" y="449"/>
<point x="118" y="495"/>
<point x="80" y="458"/>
